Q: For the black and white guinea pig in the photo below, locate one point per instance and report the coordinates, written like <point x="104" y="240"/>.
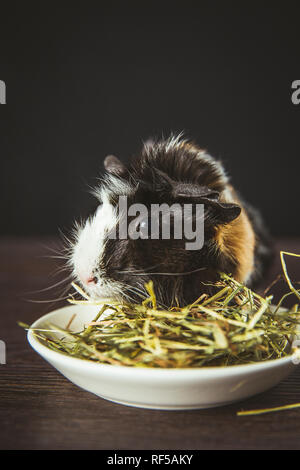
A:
<point x="168" y="171"/>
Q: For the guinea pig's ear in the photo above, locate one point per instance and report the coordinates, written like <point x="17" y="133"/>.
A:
<point x="156" y="181"/>
<point x="194" y="192"/>
<point x="219" y="213"/>
<point x="114" y="166"/>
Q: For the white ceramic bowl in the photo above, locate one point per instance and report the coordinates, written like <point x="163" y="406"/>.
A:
<point x="166" y="389"/>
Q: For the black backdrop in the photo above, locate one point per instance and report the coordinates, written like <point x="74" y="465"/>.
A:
<point x="90" y="79"/>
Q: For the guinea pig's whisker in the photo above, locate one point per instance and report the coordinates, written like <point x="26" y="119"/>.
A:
<point x="136" y="291"/>
<point x="67" y="240"/>
<point x="46" y="301"/>
<point x="52" y="302"/>
<point x="139" y="271"/>
<point x="141" y="291"/>
<point x="170" y="274"/>
<point x="55" y="256"/>
<point x="61" y="269"/>
<point x="135" y="294"/>
<point x="128" y="297"/>
<point x="55" y="252"/>
<point x="144" y="294"/>
<point x="69" y="243"/>
<point x="50" y="287"/>
<point x="109" y="259"/>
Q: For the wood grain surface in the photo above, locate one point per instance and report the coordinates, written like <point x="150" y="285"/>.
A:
<point x="40" y="409"/>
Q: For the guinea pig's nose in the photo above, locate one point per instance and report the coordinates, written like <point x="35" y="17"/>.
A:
<point x="92" y="280"/>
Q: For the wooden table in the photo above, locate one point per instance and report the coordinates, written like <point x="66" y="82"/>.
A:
<point x="40" y="409"/>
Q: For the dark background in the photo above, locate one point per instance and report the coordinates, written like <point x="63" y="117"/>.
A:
<point x="91" y="79"/>
<point x="84" y="80"/>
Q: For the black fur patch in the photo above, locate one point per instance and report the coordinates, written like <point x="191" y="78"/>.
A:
<point x="174" y="171"/>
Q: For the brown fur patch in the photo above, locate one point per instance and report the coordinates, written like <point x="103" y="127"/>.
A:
<point x="236" y="241"/>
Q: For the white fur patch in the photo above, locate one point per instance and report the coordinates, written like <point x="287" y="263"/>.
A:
<point x="90" y="244"/>
<point x="112" y="185"/>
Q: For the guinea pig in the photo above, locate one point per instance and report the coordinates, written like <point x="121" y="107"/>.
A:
<point x="168" y="171"/>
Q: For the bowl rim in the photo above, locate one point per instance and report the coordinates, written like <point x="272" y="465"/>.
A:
<point x="65" y="359"/>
